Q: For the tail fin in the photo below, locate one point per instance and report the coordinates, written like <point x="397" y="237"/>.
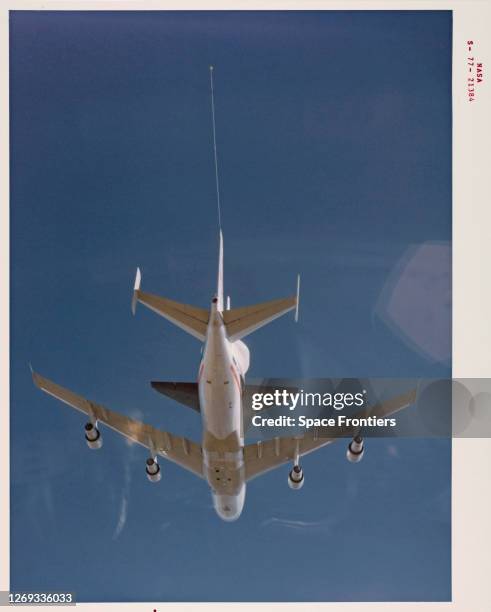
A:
<point x="136" y="289"/>
<point x="220" y="275"/>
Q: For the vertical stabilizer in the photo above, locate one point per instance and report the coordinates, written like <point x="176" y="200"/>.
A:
<point x="220" y="275"/>
<point x="220" y="254"/>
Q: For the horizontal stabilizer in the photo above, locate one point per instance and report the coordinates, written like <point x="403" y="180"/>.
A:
<point x="192" y="320"/>
<point x="242" y="321"/>
<point x="185" y="393"/>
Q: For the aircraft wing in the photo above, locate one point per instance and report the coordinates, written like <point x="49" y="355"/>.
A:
<point x="179" y="450"/>
<point x="264" y="456"/>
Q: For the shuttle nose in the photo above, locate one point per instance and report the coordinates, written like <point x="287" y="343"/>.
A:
<point x="229" y="507"/>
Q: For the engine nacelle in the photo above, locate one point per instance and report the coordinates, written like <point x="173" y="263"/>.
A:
<point x="356" y="450"/>
<point x="296" y="478"/>
<point x="153" y="470"/>
<point x="93" y="436"/>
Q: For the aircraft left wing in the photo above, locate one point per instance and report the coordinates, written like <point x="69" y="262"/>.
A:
<point x="182" y="451"/>
<point x="264" y="456"/>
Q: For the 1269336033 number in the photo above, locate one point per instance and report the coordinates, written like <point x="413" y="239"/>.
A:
<point x="26" y="598"/>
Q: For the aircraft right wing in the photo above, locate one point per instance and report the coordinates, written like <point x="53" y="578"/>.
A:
<point x="179" y="450"/>
<point x="264" y="456"/>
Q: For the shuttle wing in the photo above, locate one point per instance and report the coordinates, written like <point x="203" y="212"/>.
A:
<point x="269" y="454"/>
<point x="185" y="393"/>
<point x="179" y="450"/>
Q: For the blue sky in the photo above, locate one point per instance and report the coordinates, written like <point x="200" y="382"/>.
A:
<point x="334" y="143"/>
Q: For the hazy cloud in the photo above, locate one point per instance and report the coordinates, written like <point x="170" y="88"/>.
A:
<point x="123" y="511"/>
<point x="324" y="524"/>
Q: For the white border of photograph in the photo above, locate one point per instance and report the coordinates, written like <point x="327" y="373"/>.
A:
<point x="471" y="469"/>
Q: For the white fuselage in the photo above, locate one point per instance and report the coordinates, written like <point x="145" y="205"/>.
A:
<point x="220" y="385"/>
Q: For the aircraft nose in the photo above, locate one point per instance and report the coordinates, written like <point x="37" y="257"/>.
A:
<point x="229" y="507"/>
<point x="226" y="513"/>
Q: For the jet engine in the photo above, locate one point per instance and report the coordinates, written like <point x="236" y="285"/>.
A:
<point x="295" y="478"/>
<point x="93" y="436"/>
<point x="356" y="450"/>
<point x="153" y="470"/>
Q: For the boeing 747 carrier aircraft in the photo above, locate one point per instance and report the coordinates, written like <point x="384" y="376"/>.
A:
<point x="219" y="395"/>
